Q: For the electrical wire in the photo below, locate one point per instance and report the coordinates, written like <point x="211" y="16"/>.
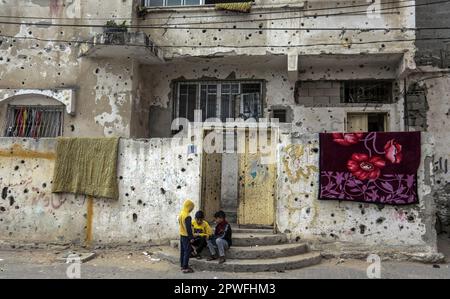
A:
<point x="183" y="25"/>
<point x="346" y="43"/>
<point x="172" y="9"/>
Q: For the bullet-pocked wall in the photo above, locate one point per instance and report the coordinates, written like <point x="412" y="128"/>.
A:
<point x="155" y="176"/>
<point x="283" y="27"/>
<point x="340" y="228"/>
<point x="45" y="57"/>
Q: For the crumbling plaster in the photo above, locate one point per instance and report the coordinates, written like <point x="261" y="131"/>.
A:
<point x="339" y="228"/>
<point x="216" y="40"/>
<point x="103" y="87"/>
<point x="154" y="177"/>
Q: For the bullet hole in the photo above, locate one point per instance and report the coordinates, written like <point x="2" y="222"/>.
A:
<point x="121" y="178"/>
<point x="163" y="191"/>
<point x="72" y="128"/>
<point x="11" y="201"/>
<point x="353" y="229"/>
<point x="380" y="220"/>
<point x="25" y="191"/>
<point x="308" y="210"/>
<point x="4" y="192"/>
<point x="178" y="187"/>
<point x="380" y="207"/>
<point x="183" y="169"/>
<point x="362" y="229"/>
<point x="332" y="215"/>
<point x="315" y="150"/>
<point x="22" y="162"/>
<point x="126" y="194"/>
<point x="297" y="239"/>
<point x="97" y="71"/>
<point x="410" y="218"/>
<point x="296" y="199"/>
<point x="135" y="217"/>
<point x="139" y="202"/>
<point x="132" y="188"/>
<point x="16" y="168"/>
<point x="2" y="209"/>
<point x="44" y="185"/>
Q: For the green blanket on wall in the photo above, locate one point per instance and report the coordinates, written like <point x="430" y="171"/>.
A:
<point x="86" y="166"/>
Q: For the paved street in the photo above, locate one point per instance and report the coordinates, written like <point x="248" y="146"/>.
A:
<point x="135" y="264"/>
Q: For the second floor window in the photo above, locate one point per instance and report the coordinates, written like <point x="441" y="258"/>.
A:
<point x="154" y="3"/>
<point x="221" y="100"/>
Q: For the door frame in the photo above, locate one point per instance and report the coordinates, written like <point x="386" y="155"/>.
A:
<point x="239" y="126"/>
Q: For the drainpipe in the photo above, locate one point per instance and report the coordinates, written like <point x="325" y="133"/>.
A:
<point x="405" y="104"/>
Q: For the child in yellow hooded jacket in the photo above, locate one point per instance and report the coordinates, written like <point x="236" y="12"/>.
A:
<point x="186" y="235"/>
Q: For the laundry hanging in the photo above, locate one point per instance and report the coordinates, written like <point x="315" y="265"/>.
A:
<point x="86" y="166"/>
<point x="372" y="167"/>
<point x="239" y="6"/>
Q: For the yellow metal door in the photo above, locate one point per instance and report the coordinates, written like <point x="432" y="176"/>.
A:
<point x="256" y="182"/>
<point x="211" y="184"/>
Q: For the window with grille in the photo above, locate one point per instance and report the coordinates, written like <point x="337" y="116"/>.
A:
<point x="34" y="121"/>
<point x="155" y="3"/>
<point x="221" y="100"/>
<point x="365" y="91"/>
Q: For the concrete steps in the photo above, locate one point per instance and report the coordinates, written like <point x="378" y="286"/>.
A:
<point x="247" y="265"/>
<point x="266" y="252"/>
<point x="253" y="250"/>
<point x="260" y="239"/>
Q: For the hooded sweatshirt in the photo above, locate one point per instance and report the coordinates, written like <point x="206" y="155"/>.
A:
<point x="185" y="220"/>
<point x="204" y="230"/>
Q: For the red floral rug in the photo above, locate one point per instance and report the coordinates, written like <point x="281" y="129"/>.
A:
<point x="372" y="167"/>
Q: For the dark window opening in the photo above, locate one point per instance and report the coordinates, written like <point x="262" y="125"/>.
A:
<point x="376" y="122"/>
<point x="367" y="91"/>
<point x="280" y="114"/>
<point x="34" y="121"/>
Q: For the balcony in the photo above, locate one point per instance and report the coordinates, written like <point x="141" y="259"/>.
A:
<point x="136" y="45"/>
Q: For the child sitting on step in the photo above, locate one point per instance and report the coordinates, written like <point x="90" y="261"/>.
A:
<point x="202" y="232"/>
<point x="221" y="241"/>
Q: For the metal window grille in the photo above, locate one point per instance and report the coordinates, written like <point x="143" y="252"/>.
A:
<point x="156" y="3"/>
<point x="227" y="99"/>
<point x="34" y="121"/>
<point x="367" y="92"/>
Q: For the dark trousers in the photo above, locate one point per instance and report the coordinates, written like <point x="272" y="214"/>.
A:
<point x="185" y="251"/>
<point x="199" y="243"/>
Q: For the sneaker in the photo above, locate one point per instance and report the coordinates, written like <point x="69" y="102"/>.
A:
<point x="222" y="260"/>
<point x="212" y="258"/>
<point x="188" y="270"/>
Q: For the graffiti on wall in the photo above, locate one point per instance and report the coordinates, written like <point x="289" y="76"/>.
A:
<point x="293" y="163"/>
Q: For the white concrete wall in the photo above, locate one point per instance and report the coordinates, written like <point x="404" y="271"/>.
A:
<point x="154" y="179"/>
<point x="343" y="227"/>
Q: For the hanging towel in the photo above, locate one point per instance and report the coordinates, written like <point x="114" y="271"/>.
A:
<point x="239" y="7"/>
<point x="376" y="168"/>
<point x="86" y="166"/>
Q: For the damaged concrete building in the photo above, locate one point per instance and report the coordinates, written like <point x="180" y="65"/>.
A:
<point x="316" y="66"/>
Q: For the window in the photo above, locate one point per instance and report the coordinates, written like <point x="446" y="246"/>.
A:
<point x="367" y="122"/>
<point x="219" y="100"/>
<point x="34" y="121"/>
<point x="364" y="91"/>
<point x="154" y="3"/>
<point x="280" y="114"/>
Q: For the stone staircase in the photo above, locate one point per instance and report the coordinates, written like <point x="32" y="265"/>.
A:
<point x="254" y="250"/>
